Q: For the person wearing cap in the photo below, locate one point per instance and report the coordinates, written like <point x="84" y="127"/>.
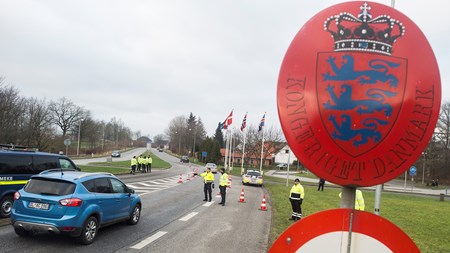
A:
<point x="208" y="178"/>
<point x="296" y="197"/>
<point x="223" y="186"/>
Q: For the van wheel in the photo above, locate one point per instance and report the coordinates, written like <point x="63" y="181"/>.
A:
<point x="6" y="206"/>
<point x="135" y="215"/>
<point x="89" y="231"/>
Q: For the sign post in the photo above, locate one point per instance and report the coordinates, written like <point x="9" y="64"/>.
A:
<point x="412" y="173"/>
<point x="67" y="143"/>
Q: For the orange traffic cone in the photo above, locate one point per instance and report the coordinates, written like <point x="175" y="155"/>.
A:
<point x="180" y="180"/>
<point x="241" y="198"/>
<point x="263" y="204"/>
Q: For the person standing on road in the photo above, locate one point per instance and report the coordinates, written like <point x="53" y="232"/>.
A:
<point x="139" y="162"/>
<point x="223" y="186"/>
<point x="321" y="184"/>
<point x="144" y="164"/>
<point x="150" y="164"/>
<point x="133" y="165"/>
<point x="208" y="178"/>
<point x="359" y="200"/>
<point x="296" y="197"/>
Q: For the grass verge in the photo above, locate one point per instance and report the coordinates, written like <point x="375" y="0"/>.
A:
<point x="425" y="220"/>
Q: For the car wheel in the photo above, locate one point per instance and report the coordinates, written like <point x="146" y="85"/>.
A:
<point x="21" y="232"/>
<point x="89" y="231"/>
<point x="6" y="206"/>
<point x="135" y="215"/>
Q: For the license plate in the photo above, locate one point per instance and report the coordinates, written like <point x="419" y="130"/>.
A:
<point x="42" y="206"/>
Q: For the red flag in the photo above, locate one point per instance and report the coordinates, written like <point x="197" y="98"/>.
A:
<point x="244" y="123"/>
<point x="228" y="120"/>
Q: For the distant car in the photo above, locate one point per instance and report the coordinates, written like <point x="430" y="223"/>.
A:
<point x="184" y="159"/>
<point x="252" y="177"/>
<point x="73" y="203"/>
<point x="160" y="150"/>
<point x="282" y="166"/>
<point x="115" y="153"/>
<point x="212" y="166"/>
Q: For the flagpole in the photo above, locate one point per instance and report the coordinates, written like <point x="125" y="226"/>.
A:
<point x="226" y="150"/>
<point x="243" y="154"/>
<point x="262" y="151"/>
<point x="230" y="156"/>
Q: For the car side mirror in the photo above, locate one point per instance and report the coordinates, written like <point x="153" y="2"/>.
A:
<point x="131" y="191"/>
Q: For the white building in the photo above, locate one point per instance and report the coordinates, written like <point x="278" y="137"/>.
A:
<point x="284" y="155"/>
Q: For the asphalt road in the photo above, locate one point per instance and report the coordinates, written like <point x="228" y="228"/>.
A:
<point x="174" y="219"/>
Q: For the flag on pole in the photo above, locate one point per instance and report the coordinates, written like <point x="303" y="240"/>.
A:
<point x="244" y="123"/>
<point x="228" y="120"/>
<point x="261" y="124"/>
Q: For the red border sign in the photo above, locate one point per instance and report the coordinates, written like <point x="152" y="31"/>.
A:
<point x="369" y="231"/>
<point x="359" y="94"/>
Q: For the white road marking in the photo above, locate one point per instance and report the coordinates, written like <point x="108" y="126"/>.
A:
<point x="187" y="217"/>
<point x="208" y="203"/>
<point x="149" y="240"/>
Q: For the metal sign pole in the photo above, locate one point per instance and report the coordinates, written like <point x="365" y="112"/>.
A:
<point x="348" y="201"/>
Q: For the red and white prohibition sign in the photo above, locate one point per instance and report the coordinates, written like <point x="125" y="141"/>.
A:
<point x="328" y="232"/>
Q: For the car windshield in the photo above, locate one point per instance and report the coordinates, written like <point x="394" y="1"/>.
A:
<point x="253" y="173"/>
<point x="49" y="187"/>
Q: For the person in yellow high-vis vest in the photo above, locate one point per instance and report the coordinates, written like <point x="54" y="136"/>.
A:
<point x="223" y="183"/>
<point x="144" y="164"/>
<point x="208" y="178"/>
<point x="133" y="165"/>
<point x="359" y="200"/>
<point x="150" y="160"/>
<point x="296" y="196"/>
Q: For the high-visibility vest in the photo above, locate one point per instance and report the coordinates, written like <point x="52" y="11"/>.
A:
<point x="139" y="160"/>
<point x="297" y="192"/>
<point x="208" y="177"/>
<point x="144" y="161"/>
<point x="223" y="179"/>
<point x="150" y="160"/>
<point x="359" y="200"/>
<point x="133" y="161"/>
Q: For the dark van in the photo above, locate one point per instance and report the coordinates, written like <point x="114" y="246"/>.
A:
<point x="16" y="168"/>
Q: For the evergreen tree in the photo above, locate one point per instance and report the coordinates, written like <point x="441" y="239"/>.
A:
<point x="218" y="136"/>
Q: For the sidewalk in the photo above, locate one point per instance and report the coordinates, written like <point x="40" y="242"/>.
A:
<point x="392" y="186"/>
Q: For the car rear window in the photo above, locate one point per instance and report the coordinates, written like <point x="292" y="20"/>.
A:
<point x="256" y="174"/>
<point x="50" y="187"/>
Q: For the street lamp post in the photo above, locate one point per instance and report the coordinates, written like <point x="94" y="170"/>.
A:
<point x="79" y="135"/>
<point x="423" y="170"/>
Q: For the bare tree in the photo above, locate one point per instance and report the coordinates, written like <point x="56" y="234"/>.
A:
<point x="12" y="108"/>
<point x="36" y="130"/>
<point x="176" y="132"/>
<point x="65" y="114"/>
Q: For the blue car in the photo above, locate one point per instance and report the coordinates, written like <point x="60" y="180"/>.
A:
<point x="73" y="203"/>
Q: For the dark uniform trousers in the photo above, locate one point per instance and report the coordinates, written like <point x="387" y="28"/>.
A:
<point x="208" y="191"/>
<point x="296" y="204"/>
<point x="223" y="193"/>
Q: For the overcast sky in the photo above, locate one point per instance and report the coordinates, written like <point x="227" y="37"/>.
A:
<point x="146" y="62"/>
